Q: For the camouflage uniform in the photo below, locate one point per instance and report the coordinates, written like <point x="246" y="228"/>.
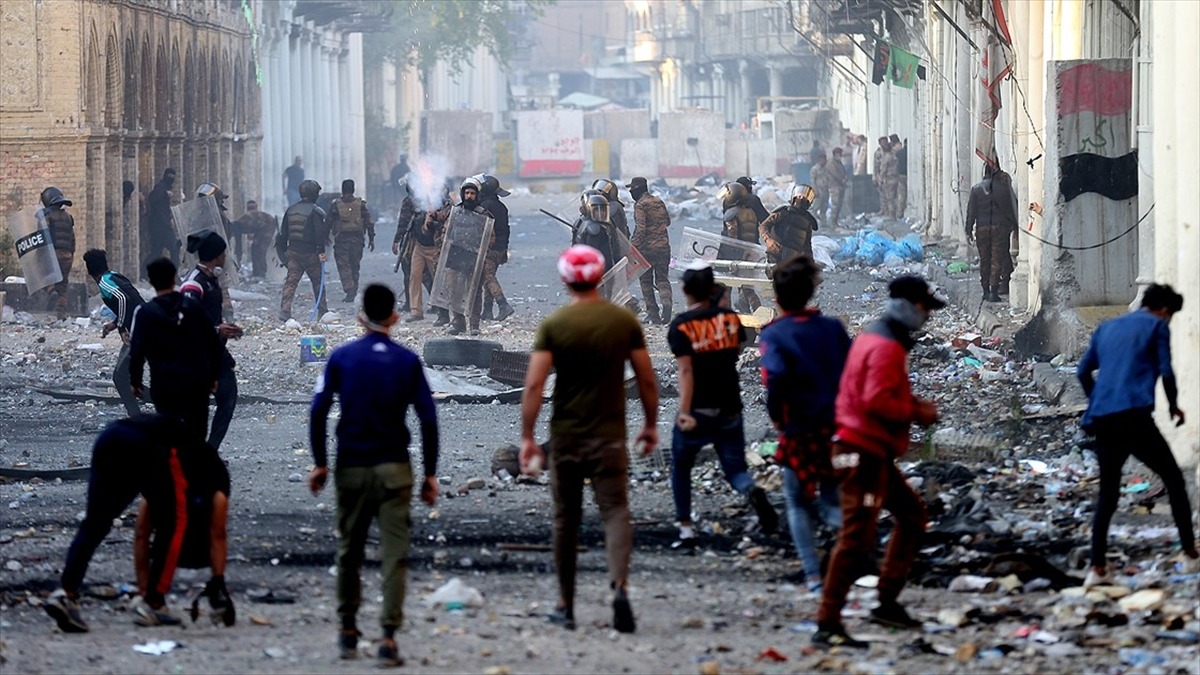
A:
<point x="744" y="227"/>
<point x="835" y="172"/>
<point x="878" y="178"/>
<point x="307" y="233"/>
<point x="819" y="180"/>
<point x="261" y="228"/>
<point x="651" y="239"/>
<point x="62" y="233"/>
<point x="891" y="182"/>
<point x="405" y="243"/>
<point x="426" y="250"/>
<point x="352" y="228"/>
<point x="787" y="233"/>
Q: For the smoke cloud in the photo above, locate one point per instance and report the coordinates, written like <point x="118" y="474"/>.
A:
<point x="427" y="180"/>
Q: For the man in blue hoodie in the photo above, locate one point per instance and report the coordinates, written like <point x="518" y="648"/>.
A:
<point x="802" y="355"/>
<point x="1131" y="353"/>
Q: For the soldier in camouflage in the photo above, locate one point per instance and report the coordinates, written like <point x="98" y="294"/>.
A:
<point x="835" y="172"/>
<point x="819" y="177"/>
<point x="301" y="242"/>
<point x="352" y="227"/>
<point x="651" y="220"/>
<point x="62" y="233"/>
<point x="886" y="177"/>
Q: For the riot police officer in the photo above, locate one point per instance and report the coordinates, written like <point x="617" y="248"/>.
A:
<point x="62" y="233"/>
<point x="489" y="198"/>
<point x="350" y="223"/>
<point x="740" y="223"/>
<point x="301" y="242"/>
<point x="787" y="232"/>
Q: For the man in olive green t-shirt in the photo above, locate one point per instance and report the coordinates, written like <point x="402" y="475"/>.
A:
<point x="588" y="343"/>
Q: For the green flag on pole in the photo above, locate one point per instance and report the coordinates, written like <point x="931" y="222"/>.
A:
<point x="902" y="67"/>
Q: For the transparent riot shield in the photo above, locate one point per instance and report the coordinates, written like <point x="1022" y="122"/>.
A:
<point x="197" y="215"/>
<point x="35" y="248"/>
<point x="460" y="265"/>
<point x="616" y="283"/>
<point x="700" y="245"/>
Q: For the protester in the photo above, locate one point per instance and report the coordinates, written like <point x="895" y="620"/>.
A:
<point x="1130" y="354"/>
<point x="875" y="407"/>
<point x="375" y="381"/>
<point x="802" y="354"/>
<point x="706" y="341"/>
<point x="122" y="299"/>
<point x="588" y="343"/>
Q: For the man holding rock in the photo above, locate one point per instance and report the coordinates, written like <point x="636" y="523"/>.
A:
<point x="588" y="343"/>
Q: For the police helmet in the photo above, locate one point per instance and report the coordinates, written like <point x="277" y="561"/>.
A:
<point x="608" y="188"/>
<point x="491" y="185"/>
<point x="802" y="196"/>
<point x="583" y="200"/>
<point x="52" y="196"/>
<point x="597" y="208"/>
<point x="310" y="190"/>
<point x="470" y="182"/>
<point x="211" y="190"/>
<point x="731" y="195"/>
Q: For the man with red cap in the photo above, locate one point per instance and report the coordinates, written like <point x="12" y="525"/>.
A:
<point x="587" y="343"/>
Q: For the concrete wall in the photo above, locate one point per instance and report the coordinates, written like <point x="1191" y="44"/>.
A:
<point x="615" y="126"/>
<point x="1177" y="204"/>
<point x="464" y="137"/>
<point x="1075" y="127"/>
<point x="639" y="157"/>
<point x="677" y="159"/>
<point x="750" y="157"/>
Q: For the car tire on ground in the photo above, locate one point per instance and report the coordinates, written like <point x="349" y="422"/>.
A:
<point x="460" y="352"/>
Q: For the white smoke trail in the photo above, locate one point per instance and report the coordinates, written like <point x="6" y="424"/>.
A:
<point x="427" y="179"/>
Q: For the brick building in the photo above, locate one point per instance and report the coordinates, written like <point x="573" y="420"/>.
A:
<point x="97" y="92"/>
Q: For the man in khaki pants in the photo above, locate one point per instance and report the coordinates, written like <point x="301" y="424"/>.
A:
<point x="426" y="250"/>
<point x="375" y="380"/>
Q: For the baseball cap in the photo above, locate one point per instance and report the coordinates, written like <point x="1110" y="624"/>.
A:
<point x="581" y="265"/>
<point x="637" y="181"/>
<point x="914" y="289"/>
<point x="698" y="280"/>
<point x="745" y="180"/>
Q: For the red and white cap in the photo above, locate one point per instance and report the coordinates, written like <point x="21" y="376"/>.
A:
<point x="581" y="264"/>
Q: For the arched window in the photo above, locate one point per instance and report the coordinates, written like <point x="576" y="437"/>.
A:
<point x="112" y="83"/>
<point x="129" y="82"/>
<point x="162" y="87"/>
<point x="93" y="85"/>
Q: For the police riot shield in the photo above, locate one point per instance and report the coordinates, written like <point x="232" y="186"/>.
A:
<point x="697" y="245"/>
<point x="197" y="215"/>
<point x="460" y="266"/>
<point x="616" y="283"/>
<point x="35" y="248"/>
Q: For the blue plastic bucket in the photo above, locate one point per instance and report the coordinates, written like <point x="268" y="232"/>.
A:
<point x="313" y="349"/>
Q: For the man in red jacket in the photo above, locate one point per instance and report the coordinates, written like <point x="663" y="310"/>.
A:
<point x="874" y="410"/>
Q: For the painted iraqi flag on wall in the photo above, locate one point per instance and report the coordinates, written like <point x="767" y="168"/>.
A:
<point x="1094" y="116"/>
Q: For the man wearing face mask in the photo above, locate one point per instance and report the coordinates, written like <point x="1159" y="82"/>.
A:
<point x="203" y="285"/>
<point x="874" y="409"/>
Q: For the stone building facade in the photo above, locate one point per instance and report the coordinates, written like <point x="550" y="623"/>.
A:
<point x="97" y="92"/>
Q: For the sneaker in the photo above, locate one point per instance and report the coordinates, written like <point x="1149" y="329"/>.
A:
<point x="65" y="611"/>
<point x="562" y="616"/>
<point x="145" y="615"/>
<point x="221" y="604"/>
<point x="829" y="639"/>
<point x="893" y="615"/>
<point x="623" y="620"/>
<point x="685" y="543"/>
<point x="768" y="519"/>
<point x="388" y="655"/>
<point x="348" y="644"/>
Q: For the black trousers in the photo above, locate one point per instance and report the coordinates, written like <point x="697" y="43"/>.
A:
<point x="126" y="462"/>
<point x="184" y="403"/>
<point x="1134" y="433"/>
<point x="226" y="396"/>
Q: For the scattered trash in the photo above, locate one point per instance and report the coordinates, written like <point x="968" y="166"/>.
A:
<point x="156" y="647"/>
<point x="771" y="654"/>
<point x="454" y="594"/>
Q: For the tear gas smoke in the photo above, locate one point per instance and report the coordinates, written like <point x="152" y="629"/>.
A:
<point x="427" y="179"/>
